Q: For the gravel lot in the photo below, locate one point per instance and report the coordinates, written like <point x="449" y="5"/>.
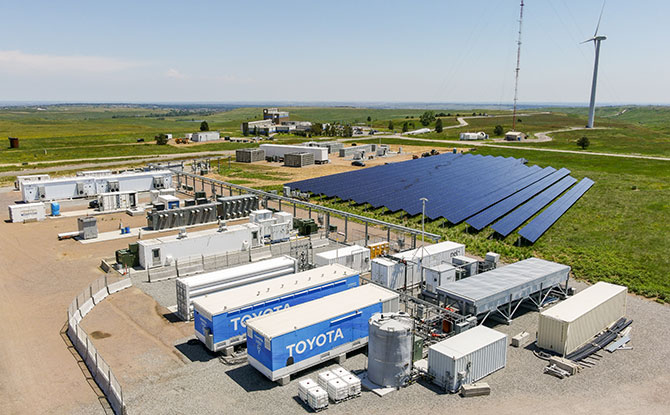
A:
<point x="627" y="381"/>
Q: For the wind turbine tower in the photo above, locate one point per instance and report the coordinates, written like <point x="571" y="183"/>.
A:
<point x="596" y="42"/>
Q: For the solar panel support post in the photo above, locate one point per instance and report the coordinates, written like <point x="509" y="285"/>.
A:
<point x="366" y="234"/>
<point x="414" y="241"/>
<point x="280" y="205"/>
<point x="388" y="236"/>
<point x="294" y="210"/>
<point x="310" y="212"/>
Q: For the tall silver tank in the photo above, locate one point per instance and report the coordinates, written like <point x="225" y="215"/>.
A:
<point x="390" y="349"/>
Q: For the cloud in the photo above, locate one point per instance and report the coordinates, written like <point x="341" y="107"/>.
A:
<point x="174" y="73"/>
<point x="17" y="61"/>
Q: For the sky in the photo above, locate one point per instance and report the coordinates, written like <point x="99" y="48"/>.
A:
<point x="337" y="51"/>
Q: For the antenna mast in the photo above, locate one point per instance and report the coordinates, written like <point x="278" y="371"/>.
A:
<point x="518" y="61"/>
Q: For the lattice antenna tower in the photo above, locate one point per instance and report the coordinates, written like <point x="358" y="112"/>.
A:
<point x="518" y="62"/>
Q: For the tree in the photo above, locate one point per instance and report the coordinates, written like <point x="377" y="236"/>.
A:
<point x="161" y="139"/>
<point x="204" y="126"/>
<point x="438" y="125"/>
<point x="583" y="142"/>
<point x="348" y="131"/>
<point x="245" y="129"/>
<point x="405" y="127"/>
<point x="498" y="130"/>
<point x="426" y="118"/>
<point x="317" y="128"/>
<point x="391" y="125"/>
<point x="369" y="118"/>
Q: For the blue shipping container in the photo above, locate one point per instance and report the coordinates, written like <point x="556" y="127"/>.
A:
<point x="291" y="340"/>
<point x="220" y="318"/>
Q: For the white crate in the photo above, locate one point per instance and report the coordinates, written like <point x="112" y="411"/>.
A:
<point x="324" y="377"/>
<point x="338" y="389"/>
<point x="341" y="372"/>
<point x="303" y="388"/>
<point x="317" y="398"/>
<point x="353" y="384"/>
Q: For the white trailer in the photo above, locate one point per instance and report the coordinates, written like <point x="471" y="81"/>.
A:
<point x="163" y="251"/>
<point x="203" y="136"/>
<point x="18" y="183"/>
<point x="86" y="186"/>
<point x="190" y="288"/>
<point x="280" y="150"/>
<point x="355" y="257"/>
<point x="27" y="211"/>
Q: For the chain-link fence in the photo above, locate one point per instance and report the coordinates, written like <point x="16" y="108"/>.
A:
<point x="100" y="370"/>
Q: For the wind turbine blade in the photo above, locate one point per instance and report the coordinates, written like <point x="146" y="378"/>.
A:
<point x="587" y="40"/>
<point x="599" y="17"/>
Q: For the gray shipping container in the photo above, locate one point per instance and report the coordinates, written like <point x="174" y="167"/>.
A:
<point x="298" y="159"/>
<point x="467" y="357"/>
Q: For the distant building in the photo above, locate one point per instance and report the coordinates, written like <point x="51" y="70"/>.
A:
<point x="205" y="136"/>
<point x="474" y="136"/>
<point x="275" y="115"/>
<point x="514" y="136"/>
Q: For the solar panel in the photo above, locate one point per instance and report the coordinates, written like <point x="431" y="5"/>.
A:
<point x="505" y="187"/>
<point x="546" y="219"/>
<point x="485" y="217"/>
<point x="506" y="225"/>
<point x="457" y="186"/>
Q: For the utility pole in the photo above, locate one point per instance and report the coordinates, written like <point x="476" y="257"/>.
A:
<point x="518" y="62"/>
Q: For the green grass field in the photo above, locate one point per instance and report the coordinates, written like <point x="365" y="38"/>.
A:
<point x="617" y="232"/>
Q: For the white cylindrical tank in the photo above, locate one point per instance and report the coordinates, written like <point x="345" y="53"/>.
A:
<point x="390" y="349"/>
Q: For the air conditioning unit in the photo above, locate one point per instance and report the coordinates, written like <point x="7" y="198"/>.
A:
<point x="113" y="185"/>
<point x="41" y="192"/>
<point x="159" y="183"/>
<point x="80" y="188"/>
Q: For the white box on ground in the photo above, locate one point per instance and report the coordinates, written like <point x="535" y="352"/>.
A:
<point x="467" y="357"/>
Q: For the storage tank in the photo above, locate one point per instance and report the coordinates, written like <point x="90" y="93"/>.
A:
<point x="390" y="349"/>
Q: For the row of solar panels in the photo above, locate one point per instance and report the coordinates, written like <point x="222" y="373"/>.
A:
<point x="474" y="188"/>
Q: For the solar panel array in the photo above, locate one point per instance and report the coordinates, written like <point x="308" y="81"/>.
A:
<point x="459" y="187"/>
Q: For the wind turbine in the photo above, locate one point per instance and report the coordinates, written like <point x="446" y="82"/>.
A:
<point x="596" y="41"/>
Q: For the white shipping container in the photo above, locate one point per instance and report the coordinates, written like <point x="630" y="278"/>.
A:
<point x="27" y="211"/>
<point x="162" y="251"/>
<point x="467" y="357"/>
<point x="388" y="273"/>
<point x="354" y="256"/>
<point x="190" y="288"/>
<point x="18" y="183"/>
<point x="437" y="275"/>
<point x="570" y="324"/>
